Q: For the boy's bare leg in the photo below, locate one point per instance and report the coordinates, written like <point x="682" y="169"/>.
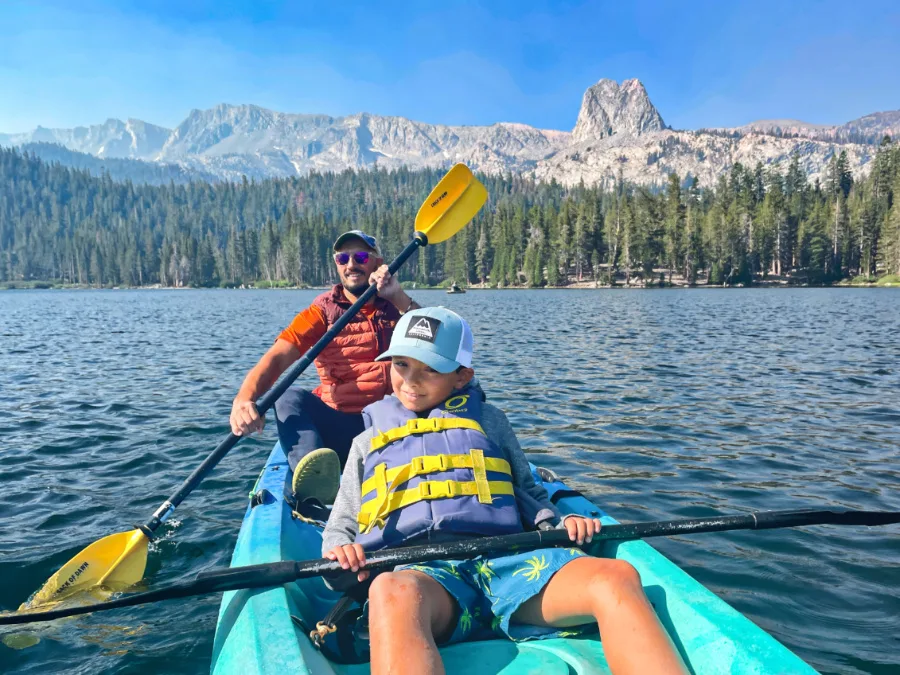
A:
<point x="407" y="609"/>
<point x="608" y="591"/>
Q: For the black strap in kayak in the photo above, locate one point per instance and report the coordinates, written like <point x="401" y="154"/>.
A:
<point x="328" y="625"/>
<point x="563" y="493"/>
<point x="310" y="510"/>
<point x="343" y="635"/>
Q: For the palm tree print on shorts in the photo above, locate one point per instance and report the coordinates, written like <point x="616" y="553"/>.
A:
<point x="533" y="568"/>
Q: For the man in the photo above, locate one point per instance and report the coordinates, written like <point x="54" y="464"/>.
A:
<point x="317" y="428"/>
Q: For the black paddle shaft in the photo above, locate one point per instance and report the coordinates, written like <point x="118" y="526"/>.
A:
<point x="268" y="399"/>
<point x="268" y="575"/>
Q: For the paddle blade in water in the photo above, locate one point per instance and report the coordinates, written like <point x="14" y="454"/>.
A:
<point x="116" y="561"/>
<point x="451" y="205"/>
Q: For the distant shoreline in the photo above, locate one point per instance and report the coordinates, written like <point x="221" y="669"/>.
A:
<point x="578" y="286"/>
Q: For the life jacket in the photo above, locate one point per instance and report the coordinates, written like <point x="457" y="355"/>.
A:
<point x="351" y="378"/>
<point x="439" y="473"/>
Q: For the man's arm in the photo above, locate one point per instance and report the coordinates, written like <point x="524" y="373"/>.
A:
<point x="411" y="306"/>
<point x="305" y="330"/>
<point x="245" y="419"/>
<point x="404" y="303"/>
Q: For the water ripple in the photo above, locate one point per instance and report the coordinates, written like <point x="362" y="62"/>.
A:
<point x="656" y="404"/>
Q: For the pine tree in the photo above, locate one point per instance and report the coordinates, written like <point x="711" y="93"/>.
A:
<point x="235" y="256"/>
<point x="96" y="273"/>
<point x="207" y="268"/>
<point x="614" y="229"/>
<point x="890" y="236"/>
<point x="553" y="276"/>
<point x="563" y="242"/>
<point x="482" y="254"/>
<point x="535" y="249"/>
<point x="674" y="225"/>
<point x="691" y="242"/>
<point x="581" y="239"/>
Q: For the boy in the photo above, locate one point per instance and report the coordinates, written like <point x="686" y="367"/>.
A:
<point x="437" y="464"/>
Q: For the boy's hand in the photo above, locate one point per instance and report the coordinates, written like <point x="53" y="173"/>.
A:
<point x="581" y="529"/>
<point x="351" y="557"/>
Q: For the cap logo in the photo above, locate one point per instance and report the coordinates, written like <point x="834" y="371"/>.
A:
<point x="425" y="328"/>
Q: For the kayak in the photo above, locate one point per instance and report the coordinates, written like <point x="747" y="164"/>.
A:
<point x="262" y="631"/>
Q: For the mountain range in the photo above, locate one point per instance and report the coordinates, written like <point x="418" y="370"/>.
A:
<point x="618" y="129"/>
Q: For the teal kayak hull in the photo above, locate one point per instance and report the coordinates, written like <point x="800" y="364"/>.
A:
<point x="256" y="634"/>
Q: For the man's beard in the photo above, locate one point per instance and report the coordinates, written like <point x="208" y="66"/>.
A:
<point x="356" y="290"/>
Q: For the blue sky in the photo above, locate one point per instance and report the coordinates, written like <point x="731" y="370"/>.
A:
<point x="704" y="63"/>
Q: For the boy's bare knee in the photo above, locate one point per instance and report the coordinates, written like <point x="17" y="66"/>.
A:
<point x="395" y="590"/>
<point x="624" y="573"/>
<point x="615" y="582"/>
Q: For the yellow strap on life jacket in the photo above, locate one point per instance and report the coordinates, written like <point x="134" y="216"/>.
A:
<point x="479" y="468"/>
<point x="423" y="426"/>
<point x="373" y="512"/>
<point x="421" y="466"/>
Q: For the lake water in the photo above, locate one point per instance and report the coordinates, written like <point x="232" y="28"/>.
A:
<point x="656" y="404"/>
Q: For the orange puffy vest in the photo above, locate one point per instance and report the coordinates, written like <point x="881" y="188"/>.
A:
<point x="351" y="378"/>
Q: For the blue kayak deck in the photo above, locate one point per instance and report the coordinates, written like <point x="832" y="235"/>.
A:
<point x="255" y="632"/>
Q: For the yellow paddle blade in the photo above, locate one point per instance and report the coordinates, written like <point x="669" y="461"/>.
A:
<point x="116" y="561"/>
<point x="451" y="205"/>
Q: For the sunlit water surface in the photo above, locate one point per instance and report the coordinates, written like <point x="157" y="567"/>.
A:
<point x="656" y="404"/>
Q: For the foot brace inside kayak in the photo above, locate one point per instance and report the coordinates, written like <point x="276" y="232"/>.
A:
<point x="310" y="510"/>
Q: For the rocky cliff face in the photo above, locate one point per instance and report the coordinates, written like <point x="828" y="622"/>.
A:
<point x="870" y="129"/>
<point x="618" y="129"/>
<point x="608" y="109"/>
<point x="650" y="158"/>
<point x="231" y="140"/>
<point x="877" y="125"/>
<point x="133" y="139"/>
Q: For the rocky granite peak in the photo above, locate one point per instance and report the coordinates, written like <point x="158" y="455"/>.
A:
<point x="608" y="109"/>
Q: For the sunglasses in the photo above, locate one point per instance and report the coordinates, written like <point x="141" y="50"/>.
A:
<point x="361" y="257"/>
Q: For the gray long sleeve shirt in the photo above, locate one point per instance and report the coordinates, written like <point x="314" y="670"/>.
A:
<point x="342" y="526"/>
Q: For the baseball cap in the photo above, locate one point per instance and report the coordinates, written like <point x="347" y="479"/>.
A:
<point x="368" y="240"/>
<point x="435" y="336"/>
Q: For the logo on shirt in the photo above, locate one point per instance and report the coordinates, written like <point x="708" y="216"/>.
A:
<point x="424" y="328"/>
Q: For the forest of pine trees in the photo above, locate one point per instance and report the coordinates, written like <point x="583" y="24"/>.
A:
<point x="64" y="226"/>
